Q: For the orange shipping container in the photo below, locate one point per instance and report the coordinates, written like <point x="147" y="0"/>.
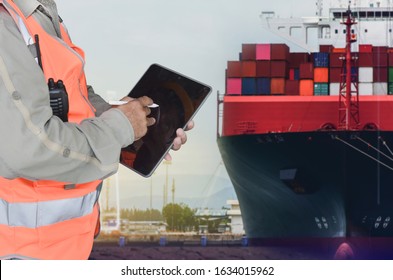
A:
<point x="321" y="75"/>
<point x="338" y="50"/>
<point x="306" y="87"/>
<point x="277" y="86"/>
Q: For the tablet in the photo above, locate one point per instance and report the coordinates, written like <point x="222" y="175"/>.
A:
<point x="178" y="98"/>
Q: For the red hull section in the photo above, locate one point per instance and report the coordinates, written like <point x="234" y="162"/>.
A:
<point x="264" y="114"/>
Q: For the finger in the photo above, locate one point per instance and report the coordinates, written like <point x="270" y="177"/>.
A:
<point x="190" y="125"/>
<point x="176" y="144"/>
<point x="168" y="157"/>
<point x="182" y="135"/>
<point x="150" y="121"/>
<point x="145" y="101"/>
<point x="147" y="110"/>
<point x="127" y="98"/>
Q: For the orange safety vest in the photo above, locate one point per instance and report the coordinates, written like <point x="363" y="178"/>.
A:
<point x="47" y="219"/>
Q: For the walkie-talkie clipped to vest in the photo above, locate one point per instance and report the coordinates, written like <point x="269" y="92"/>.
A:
<point x="58" y="99"/>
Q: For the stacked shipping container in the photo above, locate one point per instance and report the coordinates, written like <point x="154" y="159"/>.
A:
<point x="270" y="69"/>
<point x="262" y="70"/>
<point x="321" y="72"/>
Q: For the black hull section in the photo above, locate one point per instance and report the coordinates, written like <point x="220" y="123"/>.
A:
<point x="313" y="186"/>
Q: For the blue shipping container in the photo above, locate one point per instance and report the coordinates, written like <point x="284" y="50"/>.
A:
<point x="249" y="86"/>
<point x="263" y="86"/>
<point x="297" y="74"/>
<point x="354" y="73"/>
<point x="321" y="59"/>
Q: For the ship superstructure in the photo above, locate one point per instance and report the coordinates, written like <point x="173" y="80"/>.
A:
<point x="374" y="26"/>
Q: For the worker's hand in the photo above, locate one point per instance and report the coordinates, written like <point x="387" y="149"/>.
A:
<point x="136" y="111"/>
<point x="180" y="139"/>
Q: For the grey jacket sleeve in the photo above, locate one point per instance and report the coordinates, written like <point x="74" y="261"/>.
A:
<point x="34" y="144"/>
<point x="97" y="101"/>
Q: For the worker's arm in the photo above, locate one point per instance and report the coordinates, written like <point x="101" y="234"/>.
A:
<point x="36" y="145"/>
<point x="97" y="101"/>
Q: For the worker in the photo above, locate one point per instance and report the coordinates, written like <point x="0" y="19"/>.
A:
<point x="51" y="166"/>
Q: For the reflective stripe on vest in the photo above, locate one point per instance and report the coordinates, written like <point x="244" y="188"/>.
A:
<point x="16" y="257"/>
<point x="45" y="213"/>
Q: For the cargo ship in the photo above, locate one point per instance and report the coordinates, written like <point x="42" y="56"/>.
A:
<point x="307" y="136"/>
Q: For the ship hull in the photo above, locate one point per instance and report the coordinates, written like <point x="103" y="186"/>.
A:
<point x="312" y="185"/>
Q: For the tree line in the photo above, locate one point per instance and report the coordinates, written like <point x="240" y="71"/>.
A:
<point x="179" y="217"/>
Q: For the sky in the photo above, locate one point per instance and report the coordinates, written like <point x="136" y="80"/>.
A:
<point x="194" y="37"/>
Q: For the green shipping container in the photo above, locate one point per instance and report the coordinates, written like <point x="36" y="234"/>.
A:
<point x="321" y="89"/>
<point x="390" y="74"/>
<point x="390" y="88"/>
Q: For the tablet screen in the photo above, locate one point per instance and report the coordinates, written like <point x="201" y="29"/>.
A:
<point x="178" y="98"/>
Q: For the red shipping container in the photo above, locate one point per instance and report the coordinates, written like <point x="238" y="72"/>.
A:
<point x="306" y="71"/>
<point x="335" y="59"/>
<point x="279" y="69"/>
<point x="390" y="58"/>
<point x="234" y="69"/>
<point x="279" y="52"/>
<point x="277" y="86"/>
<point x="248" y="51"/>
<point x="295" y="59"/>
<point x="326" y="48"/>
<point x="380" y="49"/>
<point x="291" y="87"/>
<point x="321" y="75"/>
<point x="380" y="74"/>
<point x="234" y="86"/>
<point x="306" y="87"/>
<point x="249" y="69"/>
<point x="263" y="52"/>
<point x="335" y="75"/>
<point x="380" y="59"/>
<point x="292" y="74"/>
<point x="365" y="48"/>
<point x="263" y="69"/>
<point x="365" y="60"/>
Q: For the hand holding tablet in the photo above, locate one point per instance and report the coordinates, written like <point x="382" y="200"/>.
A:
<point x="176" y="99"/>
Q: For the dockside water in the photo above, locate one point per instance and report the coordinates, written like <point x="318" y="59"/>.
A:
<point x="199" y="251"/>
<point x="203" y="248"/>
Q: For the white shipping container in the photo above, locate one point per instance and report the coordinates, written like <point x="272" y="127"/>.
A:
<point x="334" y="89"/>
<point x="380" y="88"/>
<point x="366" y="74"/>
<point x="365" y="88"/>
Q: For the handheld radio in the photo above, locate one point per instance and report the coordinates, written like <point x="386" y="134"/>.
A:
<point x="58" y="99"/>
